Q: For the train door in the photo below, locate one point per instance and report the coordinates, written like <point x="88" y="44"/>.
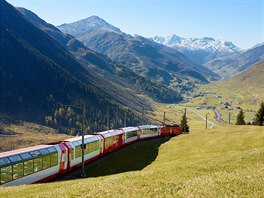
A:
<point x="63" y="158"/>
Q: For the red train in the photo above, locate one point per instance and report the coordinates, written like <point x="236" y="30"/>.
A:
<point x="41" y="163"/>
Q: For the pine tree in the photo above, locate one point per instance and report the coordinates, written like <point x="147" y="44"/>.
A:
<point x="183" y="120"/>
<point x="260" y="115"/>
<point x="240" y="120"/>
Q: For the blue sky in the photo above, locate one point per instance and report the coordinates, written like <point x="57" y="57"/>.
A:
<point x="241" y="22"/>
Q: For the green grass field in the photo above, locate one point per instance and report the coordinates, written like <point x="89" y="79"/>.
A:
<point x="226" y="161"/>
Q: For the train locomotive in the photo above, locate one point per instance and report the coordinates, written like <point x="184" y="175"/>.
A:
<point x="43" y="163"/>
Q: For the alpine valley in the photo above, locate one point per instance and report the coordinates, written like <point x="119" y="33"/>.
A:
<point x="154" y="61"/>
<point x="89" y="110"/>
<point x="94" y="64"/>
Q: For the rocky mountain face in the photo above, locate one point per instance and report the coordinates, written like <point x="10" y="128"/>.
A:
<point x="148" y="58"/>
<point x="200" y="50"/>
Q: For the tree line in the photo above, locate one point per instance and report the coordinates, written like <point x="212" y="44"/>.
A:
<point x="259" y="118"/>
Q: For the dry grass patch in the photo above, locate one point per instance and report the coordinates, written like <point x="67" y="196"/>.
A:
<point x="20" y="134"/>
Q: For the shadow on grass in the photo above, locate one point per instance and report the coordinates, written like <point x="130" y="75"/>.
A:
<point x="129" y="158"/>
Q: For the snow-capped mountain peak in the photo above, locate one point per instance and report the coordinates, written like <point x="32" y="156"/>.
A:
<point x="86" y="25"/>
<point x="173" y="39"/>
<point x="205" y="43"/>
<point x="199" y="49"/>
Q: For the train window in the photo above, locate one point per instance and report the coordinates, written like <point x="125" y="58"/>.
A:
<point x="28" y="167"/>
<point x="44" y="151"/>
<point x="4" y="161"/>
<point x="86" y="151"/>
<point x="78" y="151"/>
<point x="131" y="134"/>
<point x="6" y="174"/>
<point x="107" y="142"/>
<point x="38" y="164"/>
<point x="72" y="153"/>
<point x="25" y="156"/>
<point x="90" y="149"/>
<point x="46" y="161"/>
<point x="95" y="146"/>
<point x="52" y="150"/>
<point x="54" y="159"/>
<point x="18" y="170"/>
<point x="35" y="153"/>
<point x="15" y="158"/>
<point x="115" y="139"/>
<point x="149" y="131"/>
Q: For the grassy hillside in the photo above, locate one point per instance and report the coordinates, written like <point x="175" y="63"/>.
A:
<point x="226" y="161"/>
<point x="243" y="91"/>
<point x="247" y="86"/>
<point x="253" y="78"/>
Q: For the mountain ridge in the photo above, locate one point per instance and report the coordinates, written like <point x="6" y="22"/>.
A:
<point x="199" y="49"/>
<point x="154" y="61"/>
<point x="44" y="76"/>
<point x="114" y="79"/>
<point x="230" y="66"/>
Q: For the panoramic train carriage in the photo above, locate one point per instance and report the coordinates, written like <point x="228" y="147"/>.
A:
<point x="130" y="134"/>
<point x="93" y="148"/>
<point x="31" y="165"/>
<point x="113" y="139"/>
<point x="149" y="131"/>
<point x="171" y="130"/>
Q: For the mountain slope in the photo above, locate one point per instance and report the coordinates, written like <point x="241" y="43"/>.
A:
<point x="244" y="91"/>
<point x="152" y="60"/>
<point x="252" y="78"/>
<point x="200" y="50"/>
<point x="44" y="75"/>
<point x="231" y="65"/>
<point x="106" y="75"/>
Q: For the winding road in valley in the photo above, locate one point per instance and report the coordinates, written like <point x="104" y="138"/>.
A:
<point x="218" y="116"/>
